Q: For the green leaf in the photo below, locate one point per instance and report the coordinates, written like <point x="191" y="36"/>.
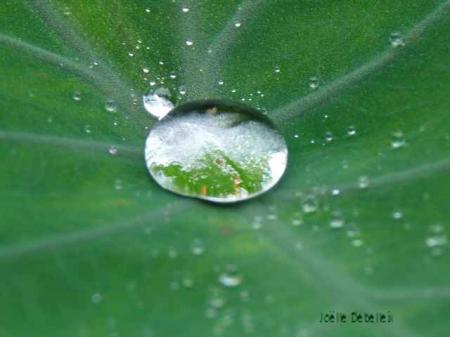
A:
<point x="91" y="246"/>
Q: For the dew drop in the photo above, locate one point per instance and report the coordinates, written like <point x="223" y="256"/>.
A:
<point x="396" y="40"/>
<point x="147" y="10"/>
<point x="237" y="24"/>
<point x="87" y="128"/>
<point x="189" y="43"/>
<point x="328" y="137"/>
<point x="110" y="105"/>
<point x="217" y="151"/>
<point x="76" y="96"/>
<point x="314" y="82"/>
<point x="277" y="70"/>
<point x="185" y="9"/>
<point x="145" y="70"/>
<point x="157" y="102"/>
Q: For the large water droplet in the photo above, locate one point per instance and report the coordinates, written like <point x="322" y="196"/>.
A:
<point x="217" y="151"/>
<point x="157" y="102"/>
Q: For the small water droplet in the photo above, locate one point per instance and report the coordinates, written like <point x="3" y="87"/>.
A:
<point x="297" y="222"/>
<point x="110" y="105"/>
<point x="237" y="24"/>
<point x="436" y="240"/>
<point x="130" y="54"/>
<point x="398" y="140"/>
<point x="220" y="82"/>
<point x="112" y="150"/>
<point x="277" y="70"/>
<point x="185" y="9"/>
<point x="230" y="278"/>
<point x="147" y="10"/>
<point x="396" y="40"/>
<point x="198" y="247"/>
<point x="363" y="182"/>
<point x="96" y="298"/>
<point x="145" y="70"/>
<point x="87" y="128"/>
<point x="76" y="96"/>
<point x="310" y="204"/>
<point x="335" y="192"/>
<point x="218" y="151"/>
<point x="328" y="136"/>
<point x="189" y="43"/>
<point x="351" y="130"/>
<point x="118" y="184"/>
<point x="357" y="242"/>
<point x="182" y="90"/>
<point x="172" y="253"/>
<point x="314" y="82"/>
<point x="336" y="221"/>
<point x="397" y="214"/>
<point x="296" y="135"/>
<point x="187" y="281"/>
<point x="157" y="102"/>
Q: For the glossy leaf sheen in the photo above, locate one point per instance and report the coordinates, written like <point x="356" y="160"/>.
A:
<point x="91" y="246"/>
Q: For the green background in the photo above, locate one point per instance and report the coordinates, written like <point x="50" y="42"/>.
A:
<point x="91" y="246"/>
